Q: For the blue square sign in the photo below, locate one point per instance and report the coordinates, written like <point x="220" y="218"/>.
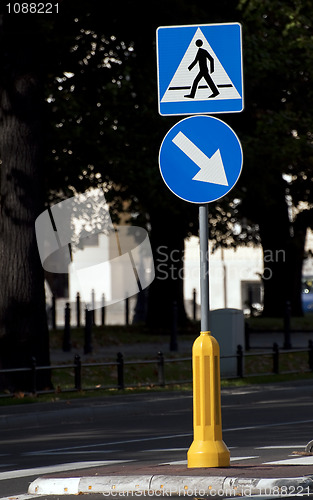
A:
<point x="199" y="69"/>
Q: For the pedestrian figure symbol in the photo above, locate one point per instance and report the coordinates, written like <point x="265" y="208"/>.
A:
<point x="199" y="69"/>
<point x="201" y="59"/>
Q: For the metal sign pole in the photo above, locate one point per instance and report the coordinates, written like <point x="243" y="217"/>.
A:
<point x="204" y="266"/>
<point x="207" y="449"/>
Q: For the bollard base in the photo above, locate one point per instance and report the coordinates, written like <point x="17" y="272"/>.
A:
<point x="207" y="449"/>
<point x="208" y="454"/>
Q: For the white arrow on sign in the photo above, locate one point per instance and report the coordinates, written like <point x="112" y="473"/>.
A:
<point x="211" y="169"/>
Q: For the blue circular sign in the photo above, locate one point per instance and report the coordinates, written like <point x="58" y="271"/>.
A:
<point x="200" y="159"/>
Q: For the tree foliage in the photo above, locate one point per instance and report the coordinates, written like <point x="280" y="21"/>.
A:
<point x="97" y="123"/>
<point x="114" y="134"/>
<point x="276" y="132"/>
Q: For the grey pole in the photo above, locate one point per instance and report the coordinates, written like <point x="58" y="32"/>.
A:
<point x="204" y="266"/>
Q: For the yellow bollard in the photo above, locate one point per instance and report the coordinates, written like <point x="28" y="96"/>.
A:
<point x="207" y="449"/>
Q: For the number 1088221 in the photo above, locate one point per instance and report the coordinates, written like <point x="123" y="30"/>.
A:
<point x="32" y="8"/>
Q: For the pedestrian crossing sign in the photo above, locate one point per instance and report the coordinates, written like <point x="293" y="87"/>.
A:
<point x="199" y="69"/>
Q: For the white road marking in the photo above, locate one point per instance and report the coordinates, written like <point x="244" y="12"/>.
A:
<point x="19" y="497"/>
<point x="280" y="447"/>
<point x="70" y="452"/>
<point x="293" y="461"/>
<point x="184" y="462"/>
<point x="158" y="438"/>
<point x="265" y="426"/>
<point x="111" y="443"/>
<point x="176" y="462"/>
<point x="241" y="393"/>
<point x="175" y="449"/>
<point x="13" y="474"/>
<point x="164" y="449"/>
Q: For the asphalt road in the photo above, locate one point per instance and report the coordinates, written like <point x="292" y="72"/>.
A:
<point x="260" y="425"/>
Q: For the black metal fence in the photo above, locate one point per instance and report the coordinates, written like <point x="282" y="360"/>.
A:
<point x="160" y="363"/>
<point x="275" y="355"/>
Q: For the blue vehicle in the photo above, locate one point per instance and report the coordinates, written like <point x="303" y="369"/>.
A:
<point x="307" y="295"/>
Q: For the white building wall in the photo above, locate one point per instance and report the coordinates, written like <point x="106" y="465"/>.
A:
<point x="308" y="263"/>
<point x="87" y="257"/>
<point x="227" y="269"/>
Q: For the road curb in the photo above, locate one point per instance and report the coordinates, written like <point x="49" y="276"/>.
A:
<point x="163" y="485"/>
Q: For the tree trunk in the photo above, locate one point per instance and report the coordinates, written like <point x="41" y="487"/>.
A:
<point x="283" y="254"/>
<point x="275" y="280"/>
<point x="167" y="290"/>
<point x="23" y="323"/>
<point x="275" y="234"/>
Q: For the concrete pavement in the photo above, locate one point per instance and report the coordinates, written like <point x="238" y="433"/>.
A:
<point x="178" y="480"/>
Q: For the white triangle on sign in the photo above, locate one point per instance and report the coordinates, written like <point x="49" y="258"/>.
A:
<point x="183" y="79"/>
